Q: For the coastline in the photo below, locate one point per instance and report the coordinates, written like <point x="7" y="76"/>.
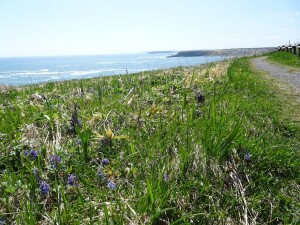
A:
<point x="233" y="52"/>
<point x="24" y="71"/>
<point x="5" y="87"/>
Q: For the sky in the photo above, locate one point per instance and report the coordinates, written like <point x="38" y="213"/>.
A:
<point x="81" y="27"/>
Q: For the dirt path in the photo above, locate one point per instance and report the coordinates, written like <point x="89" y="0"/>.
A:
<point x="285" y="74"/>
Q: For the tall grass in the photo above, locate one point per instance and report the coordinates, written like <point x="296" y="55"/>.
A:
<point x="285" y="58"/>
<point x="197" y="145"/>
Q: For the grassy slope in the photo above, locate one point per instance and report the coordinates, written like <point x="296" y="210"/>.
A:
<point x="172" y="158"/>
<point x="285" y="58"/>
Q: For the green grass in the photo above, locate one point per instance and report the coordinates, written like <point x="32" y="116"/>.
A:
<point x="176" y="141"/>
<point x="285" y="58"/>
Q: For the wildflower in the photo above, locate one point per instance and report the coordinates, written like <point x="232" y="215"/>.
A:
<point x="200" y="97"/>
<point x="33" y="154"/>
<point x="72" y="180"/>
<point x="54" y="160"/>
<point x="165" y="176"/>
<point x="74" y="121"/>
<point x="44" y="188"/>
<point x="105" y="161"/>
<point x="2" y="222"/>
<point x="101" y="175"/>
<point x="247" y="156"/>
<point x="78" y="142"/>
<point x="111" y="185"/>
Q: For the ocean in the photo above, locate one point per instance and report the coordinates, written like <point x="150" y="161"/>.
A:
<point x="34" y="70"/>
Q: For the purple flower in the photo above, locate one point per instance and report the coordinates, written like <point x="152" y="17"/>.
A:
<point x="165" y="176"/>
<point x="78" y="142"/>
<point x="72" y="180"/>
<point x="44" y="188"/>
<point x="101" y="175"/>
<point x="54" y="160"/>
<point x="111" y="185"/>
<point x="247" y="156"/>
<point x="105" y="161"/>
<point x="33" y="154"/>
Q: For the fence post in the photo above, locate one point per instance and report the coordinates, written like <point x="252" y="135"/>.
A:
<point x="286" y="48"/>
<point x="294" y="49"/>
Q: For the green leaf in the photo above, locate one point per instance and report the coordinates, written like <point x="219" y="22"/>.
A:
<point x="149" y="188"/>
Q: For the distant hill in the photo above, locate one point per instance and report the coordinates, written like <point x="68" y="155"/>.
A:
<point x="224" y="52"/>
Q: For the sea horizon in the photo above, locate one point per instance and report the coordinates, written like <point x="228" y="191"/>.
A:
<point x="16" y="71"/>
<point x="95" y="54"/>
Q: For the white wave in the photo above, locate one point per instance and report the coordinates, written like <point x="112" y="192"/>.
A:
<point x="104" y="63"/>
<point x="88" y="72"/>
<point x="57" y="74"/>
<point x="5" y="76"/>
<point x="14" y="71"/>
<point x="35" y="73"/>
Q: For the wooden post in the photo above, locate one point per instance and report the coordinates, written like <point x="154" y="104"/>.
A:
<point x="298" y="47"/>
<point x="290" y="49"/>
<point x="294" y="49"/>
<point x="286" y="48"/>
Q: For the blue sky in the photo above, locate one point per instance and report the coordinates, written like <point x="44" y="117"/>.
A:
<point x="75" y="27"/>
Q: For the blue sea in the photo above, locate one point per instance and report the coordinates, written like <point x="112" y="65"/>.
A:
<point x="33" y="70"/>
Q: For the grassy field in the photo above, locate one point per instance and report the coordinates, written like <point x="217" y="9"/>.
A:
<point x="285" y="58"/>
<point x="199" y="145"/>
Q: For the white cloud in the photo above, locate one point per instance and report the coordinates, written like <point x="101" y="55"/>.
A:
<point x="280" y="29"/>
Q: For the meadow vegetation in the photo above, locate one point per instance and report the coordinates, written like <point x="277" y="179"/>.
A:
<point x="200" y="145"/>
<point x="285" y="58"/>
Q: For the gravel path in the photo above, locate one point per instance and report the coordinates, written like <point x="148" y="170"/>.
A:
<point x="280" y="72"/>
